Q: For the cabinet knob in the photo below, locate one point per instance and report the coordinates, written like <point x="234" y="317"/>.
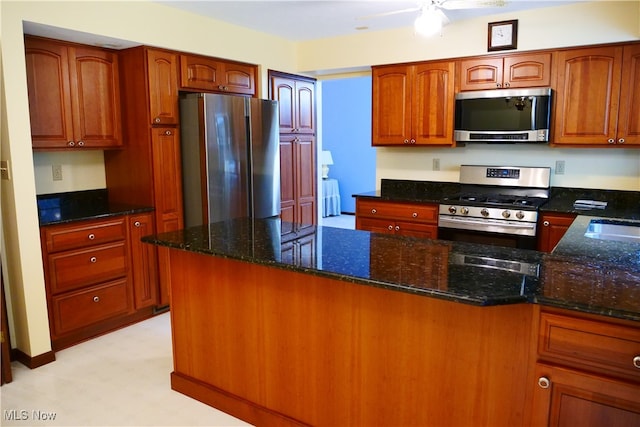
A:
<point x="611" y="141"/>
<point x="374" y="211"/>
<point x="91" y="236"/>
<point x="397" y="228"/>
<point x="71" y="144"/>
<point x="544" y="382"/>
<point x="498" y="85"/>
<point x="157" y="120"/>
<point x="406" y="141"/>
<point x="168" y="132"/>
<point x="80" y="143"/>
<point x="390" y="228"/>
<point x="507" y="84"/>
<point x="93" y="259"/>
<point x="545" y="223"/>
<point x="636" y="362"/>
<point x="137" y="224"/>
<point x="621" y="141"/>
<point x="413" y="141"/>
<point x="96" y="299"/>
<point x="415" y="214"/>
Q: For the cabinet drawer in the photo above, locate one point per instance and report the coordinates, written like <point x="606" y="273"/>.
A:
<point x="399" y="211"/>
<point x="605" y="347"/>
<point x="80" y="309"/>
<point x="64" y="237"/>
<point x="74" y="269"/>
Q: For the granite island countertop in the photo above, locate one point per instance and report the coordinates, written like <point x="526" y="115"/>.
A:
<point x="461" y="272"/>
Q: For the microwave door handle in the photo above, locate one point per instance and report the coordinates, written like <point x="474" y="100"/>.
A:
<point x="534" y="103"/>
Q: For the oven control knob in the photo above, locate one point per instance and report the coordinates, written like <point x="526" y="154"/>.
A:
<point x="506" y="214"/>
<point x="519" y="215"/>
<point x="464" y="211"/>
<point x="452" y="209"/>
<point x="484" y="213"/>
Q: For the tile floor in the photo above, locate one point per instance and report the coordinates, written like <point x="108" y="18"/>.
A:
<point x="119" y="379"/>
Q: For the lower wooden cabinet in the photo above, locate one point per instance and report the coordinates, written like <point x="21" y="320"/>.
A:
<point x="98" y="276"/>
<point x="407" y="219"/>
<point x="587" y="372"/>
<point x="551" y="228"/>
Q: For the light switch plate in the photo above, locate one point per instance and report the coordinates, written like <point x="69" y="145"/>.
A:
<point x="5" y="173"/>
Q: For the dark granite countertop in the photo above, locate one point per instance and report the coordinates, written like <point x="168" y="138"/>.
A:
<point x="73" y="206"/>
<point x="431" y="267"/>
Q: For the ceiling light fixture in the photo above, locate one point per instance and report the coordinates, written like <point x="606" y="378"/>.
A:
<point x="429" y="22"/>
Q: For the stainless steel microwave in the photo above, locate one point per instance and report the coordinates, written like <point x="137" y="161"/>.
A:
<point x="503" y="116"/>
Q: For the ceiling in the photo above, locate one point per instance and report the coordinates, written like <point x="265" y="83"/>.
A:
<point x="301" y="20"/>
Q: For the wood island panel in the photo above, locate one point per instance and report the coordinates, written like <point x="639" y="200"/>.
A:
<point x="279" y="347"/>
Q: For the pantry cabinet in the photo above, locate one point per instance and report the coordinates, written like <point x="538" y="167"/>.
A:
<point x="506" y="72"/>
<point x="551" y="228"/>
<point x="407" y="219"/>
<point x="296" y="102"/>
<point x="213" y="75"/>
<point x="163" y="89"/>
<point x="74" y="95"/>
<point x="587" y="371"/>
<point x="597" y="96"/>
<point x="413" y="104"/>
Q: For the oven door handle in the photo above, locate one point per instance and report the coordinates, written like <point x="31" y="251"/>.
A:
<point x="453" y="221"/>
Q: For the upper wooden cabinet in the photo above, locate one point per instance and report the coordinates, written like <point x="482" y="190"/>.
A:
<point x="163" y="88"/>
<point x="213" y="75"/>
<point x="74" y="95"/>
<point x="296" y="103"/>
<point x="597" y="96"/>
<point x="413" y="104"/>
<point x="506" y="72"/>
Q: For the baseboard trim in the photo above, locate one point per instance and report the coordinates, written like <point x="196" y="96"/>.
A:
<point x="32" y="362"/>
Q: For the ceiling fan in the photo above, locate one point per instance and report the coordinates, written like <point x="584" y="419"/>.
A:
<point x="431" y="18"/>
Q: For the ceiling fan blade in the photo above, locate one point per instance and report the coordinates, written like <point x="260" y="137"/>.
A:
<point x="469" y="4"/>
<point x="394" y="12"/>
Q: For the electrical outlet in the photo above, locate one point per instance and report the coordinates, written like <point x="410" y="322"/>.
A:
<point x="5" y="173"/>
<point x="436" y="164"/>
<point x="57" y="172"/>
<point x="559" y="167"/>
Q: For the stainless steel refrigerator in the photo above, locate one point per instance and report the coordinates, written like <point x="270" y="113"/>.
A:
<point x="230" y="158"/>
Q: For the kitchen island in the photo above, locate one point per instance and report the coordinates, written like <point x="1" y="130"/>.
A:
<point x="279" y="325"/>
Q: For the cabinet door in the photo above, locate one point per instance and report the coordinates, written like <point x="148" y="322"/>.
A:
<point x="239" y="78"/>
<point x="167" y="179"/>
<point x="527" y="70"/>
<point x="305" y="179"/>
<point x="551" y="229"/>
<point x="433" y="103"/>
<point x="375" y="225"/>
<point x="49" y="94"/>
<point x="417" y="230"/>
<point x="391" y="105"/>
<point x="163" y="87"/>
<point x="95" y="89"/>
<point x="199" y="73"/>
<point x="569" y="398"/>
<point x="629" y="115"/>
<point x="482" y="73"/>
<point x="287" y="178"/>
<point x="283" y="91"/>
<point x="305" y="107"/>
<point x="587" y="92"/>
<point x="144" y="261"/>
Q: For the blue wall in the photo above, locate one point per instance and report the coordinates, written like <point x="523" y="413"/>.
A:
<point x="346" y="126"/>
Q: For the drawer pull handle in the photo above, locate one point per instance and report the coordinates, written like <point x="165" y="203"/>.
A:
<point x="91" y="236"/>
<point x="167" y="132"/>
<point x="137" y="224"/>
<point x="415" y="215"/>
<point x="374" y="211"/>
<point x="96" y="299"/>
<point x="93" y="259"/>
<point x="544" y="382"/>
<point x="636" y="362"/>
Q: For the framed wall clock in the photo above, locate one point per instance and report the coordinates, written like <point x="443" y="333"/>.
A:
<point x="503" y="35"/>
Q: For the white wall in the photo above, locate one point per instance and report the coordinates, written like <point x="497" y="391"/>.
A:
<point x="153" y="24"/>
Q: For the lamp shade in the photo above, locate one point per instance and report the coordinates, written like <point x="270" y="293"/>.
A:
<point x="326" y="158"/>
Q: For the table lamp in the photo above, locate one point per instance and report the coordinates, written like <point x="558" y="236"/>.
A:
<point x="326" y="160"/>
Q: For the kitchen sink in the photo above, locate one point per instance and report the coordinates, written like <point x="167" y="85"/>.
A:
<point x="622" y="231"/>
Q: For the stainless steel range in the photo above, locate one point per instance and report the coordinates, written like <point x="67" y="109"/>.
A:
<point x="497" y="205"/>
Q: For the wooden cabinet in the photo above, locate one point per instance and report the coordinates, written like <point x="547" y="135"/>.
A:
<point x="74" y="95"/>
<point x="87" y="270"/>
<point x="587" y="372"/>
<point x="407" y="219"/>
<point x="144" y="266"/>
<point x="214" y="75"/>
<point x="551" y="228"/>
<point x="296" y="102"/>
<point x="148" y="172"/>
<point x="597" y="96"/>
<point x="413" y="104"/>
<point x="506" y="72"/>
